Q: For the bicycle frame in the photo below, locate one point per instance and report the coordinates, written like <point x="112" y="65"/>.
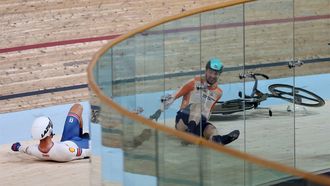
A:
<point x="256" y="97"/>
<point x="245" y="102"/>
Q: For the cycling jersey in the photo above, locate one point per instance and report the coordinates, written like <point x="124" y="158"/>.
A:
<point x="197" y="91"/>
<point x="61" y="151"/>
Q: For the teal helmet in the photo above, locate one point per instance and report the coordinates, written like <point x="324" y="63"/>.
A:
<point x="215" y="64"/>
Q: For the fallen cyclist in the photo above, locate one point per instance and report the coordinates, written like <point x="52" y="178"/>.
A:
<point x="199" y="97"/>
<point x="73" y="145"/>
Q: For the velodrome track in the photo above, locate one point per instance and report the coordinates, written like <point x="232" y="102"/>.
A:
<point x="44" y="54"/>
<point x="46" y="45"/>
<point x="312" y="151"/>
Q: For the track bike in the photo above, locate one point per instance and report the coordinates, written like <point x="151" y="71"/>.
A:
<point x="285" y="92"/>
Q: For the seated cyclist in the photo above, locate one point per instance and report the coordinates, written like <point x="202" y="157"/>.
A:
<point x="200" y="94"/>
<point x="73" y="145"/>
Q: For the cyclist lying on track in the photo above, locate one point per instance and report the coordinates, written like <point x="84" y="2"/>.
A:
<point x="73" y="145"/>
<point x="199" y="97"/>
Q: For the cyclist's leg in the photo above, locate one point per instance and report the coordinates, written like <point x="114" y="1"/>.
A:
<point x="73" y="123"/>
<point x="181" y="121"/>
<point x="184" y="123"/>
<point x="195" y="118"/>
<point x="210" y="132"/>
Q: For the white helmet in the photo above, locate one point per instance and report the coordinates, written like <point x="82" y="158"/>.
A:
<point x="41" y="128"/>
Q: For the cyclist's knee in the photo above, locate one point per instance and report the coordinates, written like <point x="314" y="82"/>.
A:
<point x="77" y="108"/>
<point x="180" y="126"/>
<point x="209" y="131"/>
<point x="186" y="127"/>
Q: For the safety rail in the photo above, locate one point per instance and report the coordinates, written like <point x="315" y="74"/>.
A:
<point x="105" y="92"/>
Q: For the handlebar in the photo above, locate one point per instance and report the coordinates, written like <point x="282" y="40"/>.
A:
<point x="252" y="75"/>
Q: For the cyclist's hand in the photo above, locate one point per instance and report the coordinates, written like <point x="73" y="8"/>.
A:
<point x="166" y="100"/>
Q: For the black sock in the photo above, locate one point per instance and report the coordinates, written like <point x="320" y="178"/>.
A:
<point x="80" y="132"/>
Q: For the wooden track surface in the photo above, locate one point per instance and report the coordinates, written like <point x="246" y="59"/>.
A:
<point x="25" y="23"/>
<point x="35" y="22"/>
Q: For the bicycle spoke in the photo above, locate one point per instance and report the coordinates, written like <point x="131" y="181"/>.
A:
<point x="305" y="97"/>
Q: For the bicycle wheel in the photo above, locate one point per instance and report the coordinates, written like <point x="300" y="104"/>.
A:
<point x="232" y="106"/>
<point x="301" y="96"/>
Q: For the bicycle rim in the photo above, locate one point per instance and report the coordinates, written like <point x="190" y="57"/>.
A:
<point x="301" y="96"/>
<point x="232" y="106"/>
